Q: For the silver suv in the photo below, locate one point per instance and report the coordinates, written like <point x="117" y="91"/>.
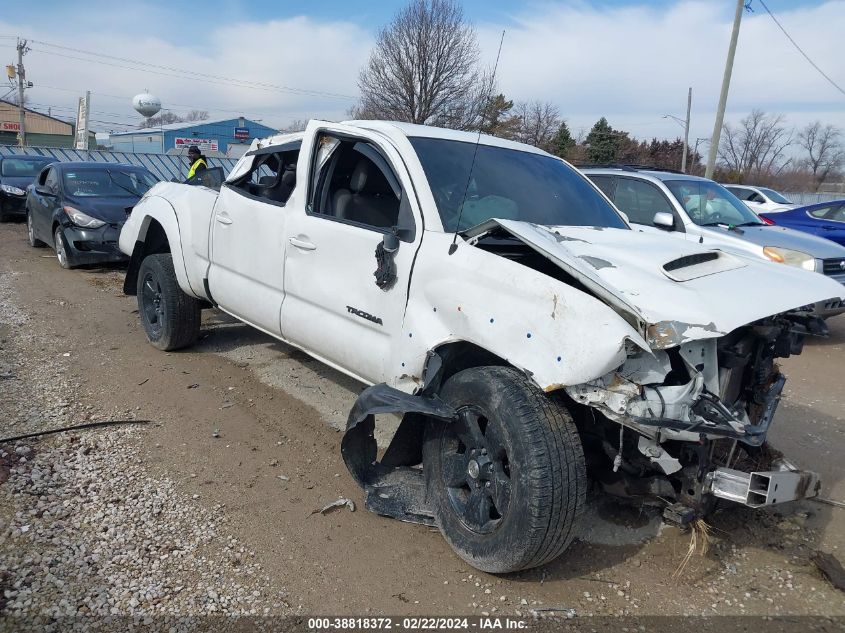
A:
<point x="693" y="208"/>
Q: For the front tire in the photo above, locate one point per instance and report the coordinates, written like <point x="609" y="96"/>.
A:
<point x="61" y="248"/>
<point x="170" y="317"/>
<point x="506" y="480"/>
<point x="30" y="233"/>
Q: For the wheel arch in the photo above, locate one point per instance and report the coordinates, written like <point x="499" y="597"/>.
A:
<point x="157" y="232"/>
<point x="456" y="356"/>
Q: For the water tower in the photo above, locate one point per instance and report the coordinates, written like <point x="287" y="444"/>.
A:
<point x="146" y="105"/>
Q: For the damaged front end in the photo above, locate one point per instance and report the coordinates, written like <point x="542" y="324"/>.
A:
<point x="687" y="425"/>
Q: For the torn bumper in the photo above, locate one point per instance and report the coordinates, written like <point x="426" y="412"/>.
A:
<point x="394" y="486"/>
<point x="764" y="488"/>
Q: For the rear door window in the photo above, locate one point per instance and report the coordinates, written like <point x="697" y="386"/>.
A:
<point x="606" y="183"/>
<point x="821" y="213"/>
<point x="640" y="200"/>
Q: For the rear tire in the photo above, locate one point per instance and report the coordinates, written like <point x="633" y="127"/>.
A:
<point x="507" y="481"/>
<point x="30" y="233"/>
<point x="170" y="317"/>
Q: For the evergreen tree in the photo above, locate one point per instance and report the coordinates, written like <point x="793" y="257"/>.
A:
<point x="602" y="143"/>
<point x="563" y="142"/>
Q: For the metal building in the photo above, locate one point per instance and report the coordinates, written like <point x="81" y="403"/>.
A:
<point x="225" y="137"/>
<point x="41" y="129"/>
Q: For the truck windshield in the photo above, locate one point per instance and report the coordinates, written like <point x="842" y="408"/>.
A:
<point x="508" y="184"/>
<point x="710" y="204"/>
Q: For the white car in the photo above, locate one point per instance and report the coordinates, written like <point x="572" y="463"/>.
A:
<point x="761" y="199"/>
<point x="490" y="293"/>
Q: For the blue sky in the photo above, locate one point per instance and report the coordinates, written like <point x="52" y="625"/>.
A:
<point x="630" y="61"/>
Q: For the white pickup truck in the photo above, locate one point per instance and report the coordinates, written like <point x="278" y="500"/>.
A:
<point x="494" y="297"/>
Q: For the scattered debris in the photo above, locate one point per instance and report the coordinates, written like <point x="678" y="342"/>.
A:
<point x="568" y="612"/>
<point x="193" y="386"/>
<point x="830" y="502"/>
<point x="215" y="433"/>
<point x="699" y="541"/>
<point x="830" y="567"/>
<point x="334" y="505"/>
<point x="75" y="427"/>
<point x="228" y="405"/>
<point x="285" y="478"/>
<point x="143" y="381"/>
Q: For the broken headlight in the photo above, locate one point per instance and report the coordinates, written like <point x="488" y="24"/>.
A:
<point x="82" y="219"/>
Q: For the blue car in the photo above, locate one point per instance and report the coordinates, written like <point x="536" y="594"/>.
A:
<point x="826" y="219"/>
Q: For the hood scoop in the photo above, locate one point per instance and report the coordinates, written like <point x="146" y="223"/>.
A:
<point x="699" y="265"/>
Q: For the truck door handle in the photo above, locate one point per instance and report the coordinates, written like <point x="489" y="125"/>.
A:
<point x="223" y="218"/>
<point x="306" y="246"/>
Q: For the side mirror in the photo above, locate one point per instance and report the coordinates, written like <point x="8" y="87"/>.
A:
<point x="43" y="190"/>
<point x="390" y="242"/>
<point x="664" y="220"/>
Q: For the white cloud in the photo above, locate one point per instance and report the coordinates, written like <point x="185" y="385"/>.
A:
<point x="631" y="64"/>
<point x="297" y="52"/>
<point x="635" y="64"/>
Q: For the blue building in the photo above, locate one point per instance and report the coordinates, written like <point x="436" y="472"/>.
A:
<point x="226" y="137"/>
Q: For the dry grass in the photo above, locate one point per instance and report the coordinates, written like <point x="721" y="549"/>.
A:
<point x="699" y="542"/>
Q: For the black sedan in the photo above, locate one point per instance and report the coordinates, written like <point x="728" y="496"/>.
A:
<point x="16" y="174"/>
<point x="79" y="208"/>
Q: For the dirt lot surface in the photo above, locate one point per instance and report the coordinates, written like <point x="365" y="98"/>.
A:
<point x="210" y="507"/>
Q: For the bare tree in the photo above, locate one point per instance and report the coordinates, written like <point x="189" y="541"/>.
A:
<point x="166" y="117"/>
<point x="425" y="69"/>
<point x="756" y="149"/>
<point x="196" y="115"/>
<point x="539" y="123"/>
<point x="163" y="118"/>
<point x="825" y="153"/>
<point x="297" y="125"/>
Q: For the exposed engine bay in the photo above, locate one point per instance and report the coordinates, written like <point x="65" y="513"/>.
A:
<point x="686" y="425"/>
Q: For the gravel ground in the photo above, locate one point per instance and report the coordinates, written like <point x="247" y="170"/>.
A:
<point x="139" y="519"/>
<point x="85" y="530"/>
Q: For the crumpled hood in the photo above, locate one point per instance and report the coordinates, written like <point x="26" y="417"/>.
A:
<point x="670" y="289"/>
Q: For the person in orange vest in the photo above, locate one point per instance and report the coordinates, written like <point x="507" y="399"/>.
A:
<point x="196" y="161"/>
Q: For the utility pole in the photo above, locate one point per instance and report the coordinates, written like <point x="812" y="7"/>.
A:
<point x="723" y="97"/>
<point x="22" y="49"/>
<point x="686" y="132"/>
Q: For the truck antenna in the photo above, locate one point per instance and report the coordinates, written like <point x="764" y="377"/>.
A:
<point x="454" y="246"/>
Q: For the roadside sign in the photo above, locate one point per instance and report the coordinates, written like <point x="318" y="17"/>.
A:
<point x="241" y="132"/>
<point x="204" y="144"/>
<point x="82" y="122"/>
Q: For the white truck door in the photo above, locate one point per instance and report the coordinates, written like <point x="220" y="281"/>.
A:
<point x="358" y="190"/>
<point x="246" y="273"/>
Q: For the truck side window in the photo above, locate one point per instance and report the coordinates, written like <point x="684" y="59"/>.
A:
<point x="355" y="183"/>
<point x="272" y="177"/>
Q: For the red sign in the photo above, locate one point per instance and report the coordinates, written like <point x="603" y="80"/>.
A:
<point x="204" y="144"/>
<point x="8" y="126"/>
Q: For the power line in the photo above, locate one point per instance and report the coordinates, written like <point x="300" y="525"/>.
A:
<point x="198" y="76"/>
<point x="807" y="57"/>
<point x="239" y="112"/>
